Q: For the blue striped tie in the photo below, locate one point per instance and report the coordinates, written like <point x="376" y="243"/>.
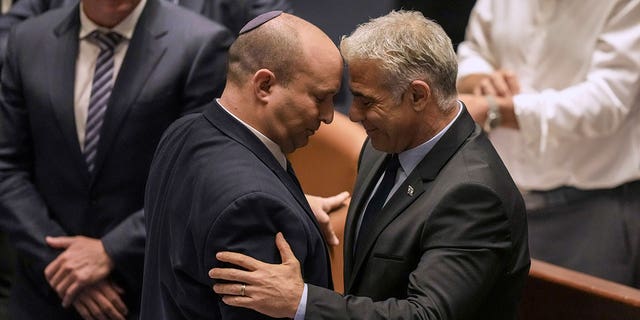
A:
<point x="100" y="92"/>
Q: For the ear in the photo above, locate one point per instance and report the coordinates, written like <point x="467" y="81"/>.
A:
<point x="262" y="82"/>
<point x="420" y="94"/>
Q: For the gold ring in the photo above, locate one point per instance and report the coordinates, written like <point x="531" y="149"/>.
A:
<point x="242" y="287"/>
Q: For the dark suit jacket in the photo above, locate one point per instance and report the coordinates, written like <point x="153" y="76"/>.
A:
<point x="174" y="64"/>
<point x="214" y="186"/>
<point x="233" y="14"/>
<point x="453" y="248"/>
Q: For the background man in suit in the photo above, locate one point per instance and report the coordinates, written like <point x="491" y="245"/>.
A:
<point x="233" y="14"/>
<point x="76" y="145"/>
<point x="451" y="240"/>
<point x="220" y="180"/>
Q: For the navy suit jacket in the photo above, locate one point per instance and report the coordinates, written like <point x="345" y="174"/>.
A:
<point x="175" y="63"/>
<point x="233" y="14"/>
<point x="451" y="242"/>
<point x="215" y="186"/>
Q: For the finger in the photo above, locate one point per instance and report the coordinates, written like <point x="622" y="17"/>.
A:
<point x="59" y="242"/>
<point x="487" y="87"/>
<point x="59" y="277"/>
<point x="52" y="268"/>
<point x="285" y="250"/>
<point x="70" y="293"/>
<point x="82" y="310"/>
<point x="239" y="259"/>
<point x="237" y="301"/>
<point x="335" y="202"/>
<point x="233" y="289"/>
<point x="500" y="84"/>
<point x="94" y="309"/>
<point x="230" y="274"/>
<point x="330" y="234"/>
<point x="112" y="293"/>
<point x="62" y="290"/>
<point x="107" y="309"/>
<point x="512" y="82"/>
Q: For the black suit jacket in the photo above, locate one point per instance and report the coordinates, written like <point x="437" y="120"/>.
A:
<point x="174" y="64"/>
<point x="451" y="243"/>
<point x="214" y="186"/>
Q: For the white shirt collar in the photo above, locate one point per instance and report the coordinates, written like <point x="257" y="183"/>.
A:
<point x="273" y="147"/>
<point x="125" y="28"/>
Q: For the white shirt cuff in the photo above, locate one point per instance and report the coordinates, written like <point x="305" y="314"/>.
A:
<point x="302" y="306"/>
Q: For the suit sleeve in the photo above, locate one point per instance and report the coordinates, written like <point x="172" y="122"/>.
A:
<point x="249" y="226"/>
<point x="23" y="212"/>
<point x="204" y="81"/>
<point x="207" y="74"/>
<point x="463" y="248"/>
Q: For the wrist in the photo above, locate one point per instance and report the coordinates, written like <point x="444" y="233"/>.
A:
<point x="494" y="114"/>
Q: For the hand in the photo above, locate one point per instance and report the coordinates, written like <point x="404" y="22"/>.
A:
<point x="322" y="207"/>
<point x="501" y="83"/>
<point x="82" y="263"/>
<point x="272" y="289"/>
<point x="101" y="301"/>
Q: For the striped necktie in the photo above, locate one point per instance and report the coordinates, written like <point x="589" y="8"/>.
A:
<point x="100" y="92"/>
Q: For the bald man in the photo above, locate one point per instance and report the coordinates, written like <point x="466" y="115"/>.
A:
<point x="220" y="180"/>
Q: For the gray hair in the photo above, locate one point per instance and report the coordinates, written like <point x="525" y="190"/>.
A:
<point x="407" y="47"/>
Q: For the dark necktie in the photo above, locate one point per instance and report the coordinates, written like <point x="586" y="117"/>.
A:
<point x="377" y="201"/>
<point x="100" y="92"/>
<point x="292" y="174"/>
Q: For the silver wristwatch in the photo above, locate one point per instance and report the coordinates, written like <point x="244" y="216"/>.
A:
<point x="494" y="117"/>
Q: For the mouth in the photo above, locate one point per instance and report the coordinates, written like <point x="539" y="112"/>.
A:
<point x="370" y="130"/>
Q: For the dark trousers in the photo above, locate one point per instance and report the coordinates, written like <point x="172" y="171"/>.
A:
<point x="7" y="263"/>
<point x="592" y="231"/>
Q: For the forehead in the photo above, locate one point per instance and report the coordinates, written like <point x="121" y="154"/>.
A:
<point x="323" y="70"/>
<point x="366" y="78"/>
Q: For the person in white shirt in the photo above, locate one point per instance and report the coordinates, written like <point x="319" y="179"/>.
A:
<point x="557" y="86"/>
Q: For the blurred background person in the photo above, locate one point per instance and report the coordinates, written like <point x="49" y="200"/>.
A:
<point x="556" y="84"/>
<point x="87" y="91"/>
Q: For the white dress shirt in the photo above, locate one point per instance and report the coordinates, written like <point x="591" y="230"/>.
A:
<point x="273" y="147"/>
<point x="578" y="63"/>
<point x="87" y="57"/>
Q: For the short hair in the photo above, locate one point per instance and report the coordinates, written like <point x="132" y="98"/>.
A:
<point x="274" y="46"/>
<point x="407" y="47"/>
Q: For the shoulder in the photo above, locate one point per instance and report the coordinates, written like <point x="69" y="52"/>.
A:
<point x="183" y="20"/>
<point x="49" y="21"/>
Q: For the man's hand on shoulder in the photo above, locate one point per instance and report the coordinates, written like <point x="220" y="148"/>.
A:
<point x="272" y="289"/>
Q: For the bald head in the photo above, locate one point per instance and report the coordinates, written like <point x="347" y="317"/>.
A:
<point x="280" y="45"/>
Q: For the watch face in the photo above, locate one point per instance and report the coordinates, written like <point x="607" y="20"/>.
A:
<point x="493" y="120"/>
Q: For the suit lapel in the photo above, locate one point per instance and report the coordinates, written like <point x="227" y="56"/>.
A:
<point x="145" y="51"/>
<point x="62" y="74"/>
<point x="225" y="123"/>
<point x="419" y="180"/>
<point x="364" y="183"/>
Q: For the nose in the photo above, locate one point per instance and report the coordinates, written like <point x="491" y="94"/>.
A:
<point x="326" y="113"/>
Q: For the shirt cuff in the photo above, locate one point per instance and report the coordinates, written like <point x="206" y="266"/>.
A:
<point x="302" y="306"/>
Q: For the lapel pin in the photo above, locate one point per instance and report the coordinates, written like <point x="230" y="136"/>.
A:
<point x="410" y="191"/>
